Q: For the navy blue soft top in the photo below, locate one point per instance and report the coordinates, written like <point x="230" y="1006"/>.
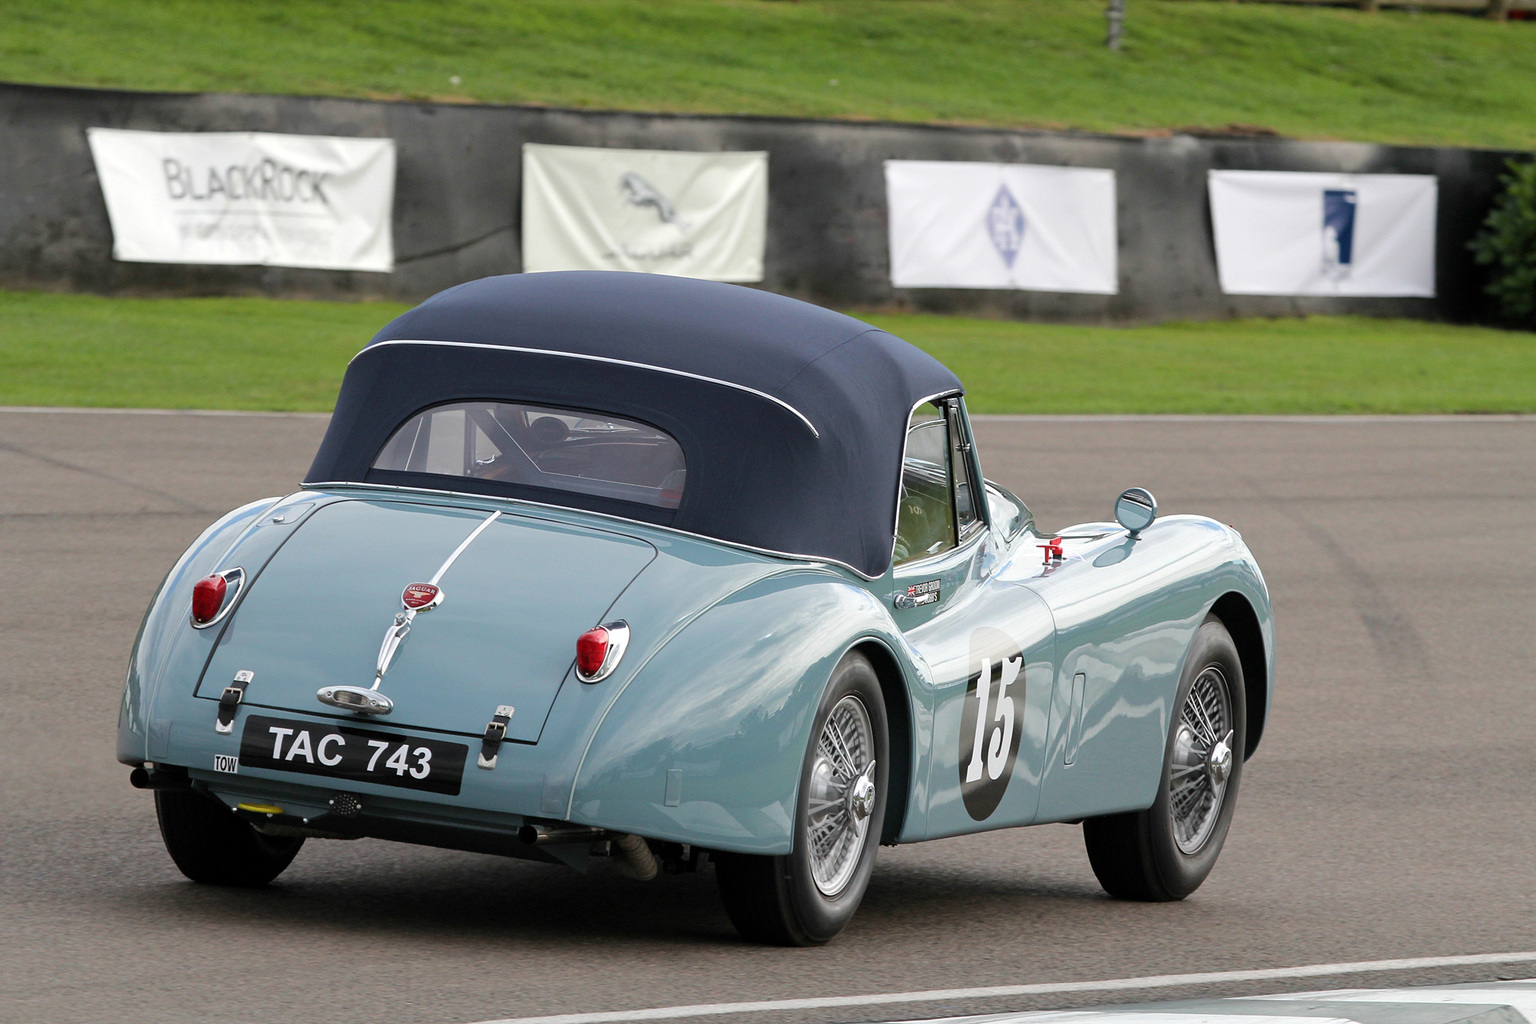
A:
<point x="791" y="417"/>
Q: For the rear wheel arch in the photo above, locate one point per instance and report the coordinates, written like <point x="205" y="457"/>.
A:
<point x="614" y="784"/>
<point x="807" y="896"/>
<point x="898" y="715"/>
<point x="1237" y="614"/>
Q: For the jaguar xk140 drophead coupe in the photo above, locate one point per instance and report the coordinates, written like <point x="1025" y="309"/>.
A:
<point x="658" y="573"/>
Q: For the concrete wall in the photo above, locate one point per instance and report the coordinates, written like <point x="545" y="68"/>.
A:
<point x="458" y="197"/>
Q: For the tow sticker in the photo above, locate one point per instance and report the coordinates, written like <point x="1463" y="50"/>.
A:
<point x="989" y="721"/>
<point x="228" y="763"/>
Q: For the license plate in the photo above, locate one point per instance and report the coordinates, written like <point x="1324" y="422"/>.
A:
<point x="356" y="755"/>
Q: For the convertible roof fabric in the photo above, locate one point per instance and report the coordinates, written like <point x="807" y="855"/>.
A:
<point x="791" y="417"/>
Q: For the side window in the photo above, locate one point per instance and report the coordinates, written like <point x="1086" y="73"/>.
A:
<point x="925" y="516"/>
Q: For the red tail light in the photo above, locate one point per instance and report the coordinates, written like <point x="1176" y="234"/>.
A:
<point x="208" y="597"/>
<point x="591" y="650"/>
<point x="599" y="649"/>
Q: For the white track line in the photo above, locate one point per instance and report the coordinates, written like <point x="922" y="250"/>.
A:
<point x="1045" y="988"/>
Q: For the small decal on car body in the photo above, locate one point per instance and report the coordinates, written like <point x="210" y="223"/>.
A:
<point x="227" y="763"/>
<point x="926" y="592"/>
<point x="989" y="720"/>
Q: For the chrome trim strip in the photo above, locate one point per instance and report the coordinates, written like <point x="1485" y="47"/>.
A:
<point x="372" y="701"/>
<point x="496" y="498"/>
<point x="600" y="359"/>
<point x="460" y="549"/>
<point x="396" y="633"/>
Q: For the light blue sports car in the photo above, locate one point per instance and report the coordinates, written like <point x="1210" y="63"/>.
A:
<point x="614" y="569"/>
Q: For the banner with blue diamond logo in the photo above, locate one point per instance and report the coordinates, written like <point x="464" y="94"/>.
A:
<point x="956" y="224"/>
<point x="1005" y="222"/>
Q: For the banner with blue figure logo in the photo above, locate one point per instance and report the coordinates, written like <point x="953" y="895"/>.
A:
<point x="1339" y="231"/>
<point x="955" y="224"/>
<point x="1310" y="233"/>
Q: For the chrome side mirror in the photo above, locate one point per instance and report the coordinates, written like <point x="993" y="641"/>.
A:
<point x="1135" y="510"/>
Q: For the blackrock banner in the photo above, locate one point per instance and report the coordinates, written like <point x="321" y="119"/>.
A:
<point x="688" y="214"/>
<point x="976" y="225"/>
<point x="248" y="198"/>
<point x="1309" y="233"/>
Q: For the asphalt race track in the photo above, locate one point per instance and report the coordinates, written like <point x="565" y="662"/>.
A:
<point x="1389" y="812"/>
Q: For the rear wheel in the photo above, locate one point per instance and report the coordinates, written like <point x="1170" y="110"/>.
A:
<point x="209" y="844"/>
<point x="807" y="896"/>
<point x="1166" y="851"/>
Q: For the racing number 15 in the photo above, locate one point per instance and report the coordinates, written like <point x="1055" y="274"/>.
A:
<point x="1004" y="673"/>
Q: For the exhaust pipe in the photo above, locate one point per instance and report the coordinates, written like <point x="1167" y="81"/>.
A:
<point x="632" y="856"/>
<point x="547" y="834"/>
<point x="143" y="778"/>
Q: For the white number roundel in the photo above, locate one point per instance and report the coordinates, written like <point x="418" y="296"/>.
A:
<point x="989" y="725"/>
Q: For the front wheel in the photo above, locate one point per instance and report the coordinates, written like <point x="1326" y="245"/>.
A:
<point x="209" y="844"/>
<point x="807" y="896"/>
<point x="1165" y="852"/>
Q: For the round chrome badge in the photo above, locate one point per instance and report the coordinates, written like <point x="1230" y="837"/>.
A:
<point x="419" y="597"/>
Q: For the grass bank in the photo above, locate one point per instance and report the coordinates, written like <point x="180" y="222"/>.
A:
<point x="1393" y="76"/>
<point x="82" y="350"/>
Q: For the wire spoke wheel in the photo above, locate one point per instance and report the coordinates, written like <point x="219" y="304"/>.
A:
<point x="1202" y="760"/>
<point x="1165" y="851"/>
<point x="842" y="794"/>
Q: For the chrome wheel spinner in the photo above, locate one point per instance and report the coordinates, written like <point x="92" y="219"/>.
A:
<point x="842" y="795"/>
<point x="1202" y="760"/>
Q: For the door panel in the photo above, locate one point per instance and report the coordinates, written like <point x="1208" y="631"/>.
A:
<point x="992" y="658"/>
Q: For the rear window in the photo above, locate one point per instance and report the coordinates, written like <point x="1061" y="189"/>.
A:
<point x="537" y="446"/>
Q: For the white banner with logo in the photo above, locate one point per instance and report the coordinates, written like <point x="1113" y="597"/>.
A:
<point x="975" y="225"/>
<point x="689" y="214"/>
<point x="248" y="198"/>
<point x="1308" y="233"/>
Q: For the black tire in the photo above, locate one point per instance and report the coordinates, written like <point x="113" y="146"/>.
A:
<point x="1138" y="855"/>
<point x="776" y="900"/>
<point x="211" y="845"/>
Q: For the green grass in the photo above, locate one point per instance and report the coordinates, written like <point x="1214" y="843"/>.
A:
<point x="1294" y="365"/>
<point x="84" y="350"/>
<point x="179" y="353"/>
<point x="1393" y="76"/>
